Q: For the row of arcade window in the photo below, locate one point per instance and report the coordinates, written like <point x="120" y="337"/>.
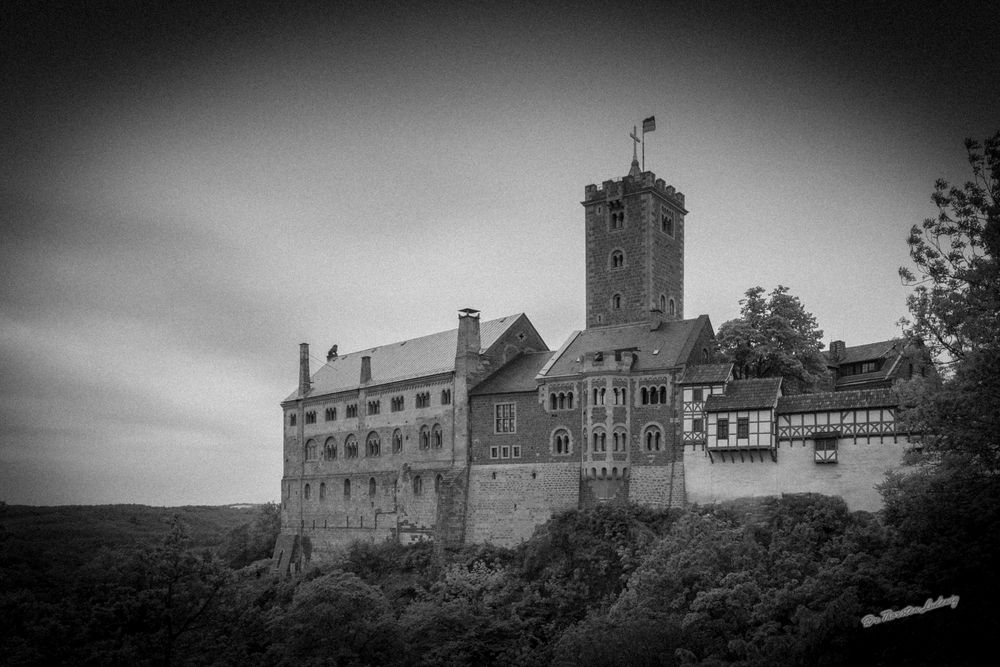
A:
<point x="561" y="401"/>
<point x="617" y="395"/>
<point x="397" y="403"/>
<point x="652" y="437"/>
<point x="742" y="428"/>
<point x="593" y="473"/>
<point x="428" y="438"/>
<point x="418" y="487"/>
<point x="666" y="306"/>
<point x="653" y="395"/>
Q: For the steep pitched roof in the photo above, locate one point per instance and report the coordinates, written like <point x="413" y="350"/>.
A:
<point x="517" y="375"/>
<point x="667" y="346"/>
<point x="707" y="374"/>
<point x="838" y="400"/>
<point x="866" y="352"/>
<point x="412" y="358"/>
<point x="746" y="395"/>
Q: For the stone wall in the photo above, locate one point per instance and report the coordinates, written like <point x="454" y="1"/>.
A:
<point x="507" y="501"/>
<point x="859" y="468"/>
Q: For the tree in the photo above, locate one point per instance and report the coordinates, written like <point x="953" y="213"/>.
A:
<point x="956" y="301"/>
<point x="775" y="337"/>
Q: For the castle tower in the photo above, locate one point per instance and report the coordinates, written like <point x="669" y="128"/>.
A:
<point x="635" y="250"/>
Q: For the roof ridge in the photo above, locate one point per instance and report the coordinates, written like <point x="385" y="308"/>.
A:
<point x="430" y="335"/>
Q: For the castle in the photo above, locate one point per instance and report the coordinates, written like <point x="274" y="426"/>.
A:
<point x="482" y="432"/>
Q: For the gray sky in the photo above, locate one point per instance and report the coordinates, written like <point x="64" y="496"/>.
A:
<point x="189" y="192"/>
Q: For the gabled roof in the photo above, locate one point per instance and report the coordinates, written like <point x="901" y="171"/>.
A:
<point x="413" y="358"/>
<point x="517" y="375"/>
<point x="867" y="352"/>
<point x="838" y="400"/>
<point x="746" y="395"/>
<point x="667" y="346"/>
<point x="707" y="374"/>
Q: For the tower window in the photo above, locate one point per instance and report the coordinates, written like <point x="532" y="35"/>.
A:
<point x="373" y="445"/>
<point x="616" y="301"/>
<point x="330" y="450"/>
<point x="311" y="450"/>
<point x="445" y="396"/>
<point x="561" y="442"/>
<point x="397" y="441"/>
<point x="351" y="447"/>
<point x="436" y="436"/>
<point x="418" y="485"/>
<point x="347" y="488"/>
<point x="666" y="221"/>
<point x="672" y="308"/>
<point x="617" y="259"/>
<point x="371" y="487"/>
<point x="663" y="303"/>
<point x="311" y="417"/>
<point x="331" y="414"/>
<point x="425" y="438"/>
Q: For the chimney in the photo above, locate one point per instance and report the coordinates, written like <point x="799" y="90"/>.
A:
<point x="304" y="383"/>
<point x="332" y="354"/>
<point x="366" y="369"/>
<point x="468" y="332"/>
<point x="837" y="349"/>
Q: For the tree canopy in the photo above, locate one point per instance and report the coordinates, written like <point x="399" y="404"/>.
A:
<point x="775" y="337"/>
<point x="956" y="298"/>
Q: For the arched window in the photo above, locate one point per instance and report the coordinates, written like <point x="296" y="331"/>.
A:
<point x="418" y="485"/>
<point x="351" y="447"/>
<point x="371" y="487"/>
<point x="311" y="450"/>
<point x="562" y="401"/>
<point x="663" y="394"/>
<point x="645" y="395"/>
<point x="653" y="438"/>
<point x="617" y="259"/>
<point x="307" y="492"/>
<point x="673" y="308"/>
<point x="614" y="473"/>
<point x="347" y="488"/>
<point x="397" y="441"/>
<point x="437" y="437"/>
<point x="330" y="450"/>
<point x="437" y="483"/>
<point x="620" y="440"/>
<point x="704" y="354"/>
<point x="604" y="473"/>
<point x="663" y="303"/>
<point x="600" y="441"/>
<point x="560" y="441"/>
<point x="322" y="490"/>
<point x="569" y="400"/>
<point x="425" y="438"/>
<point x="602" y="394"/>
<point x="553" y="401"/>
<point x="654" y="396"/>
<point x="373" y="445"/>
<point x="616" y="301"/>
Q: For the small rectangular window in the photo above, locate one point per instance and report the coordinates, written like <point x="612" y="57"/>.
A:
<point x="494" y="452"/>
<point x="699" y="394"/>
<point x="698" y="426"/>
<point x="722" y="429"/>
<point x="743" y="428"/>
<point x="505" y="452"/>
<point x="516" y="451"/>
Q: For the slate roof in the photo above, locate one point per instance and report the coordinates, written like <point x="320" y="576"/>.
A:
<point x="668" y="346"/>
<point x="413" y="358"/>
<point x="867" y="352"/>
<point x="863" y="378"/>
<point x="746" y="395"/>
<point x="706" y="374"/>
<point x="515" y="376"/>
<point x="838" y="400"/>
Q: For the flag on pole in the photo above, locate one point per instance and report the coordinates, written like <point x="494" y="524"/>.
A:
<point x="649" y="124"/>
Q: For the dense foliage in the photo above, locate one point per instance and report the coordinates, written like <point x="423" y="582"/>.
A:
<point x="775" y="336"/>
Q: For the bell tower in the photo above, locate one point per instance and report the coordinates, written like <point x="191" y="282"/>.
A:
<point x="635" y="250"/>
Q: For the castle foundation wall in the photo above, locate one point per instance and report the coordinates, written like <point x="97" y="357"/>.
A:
<point x="507" y="501"/>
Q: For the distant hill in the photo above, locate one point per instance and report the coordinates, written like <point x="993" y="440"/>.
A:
<point x="50" y="541"/>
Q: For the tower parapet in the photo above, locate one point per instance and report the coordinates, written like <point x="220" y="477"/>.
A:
<point x="615" y="188"/>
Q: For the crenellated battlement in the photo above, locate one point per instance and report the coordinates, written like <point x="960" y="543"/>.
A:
<point x="617" y="188"/>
